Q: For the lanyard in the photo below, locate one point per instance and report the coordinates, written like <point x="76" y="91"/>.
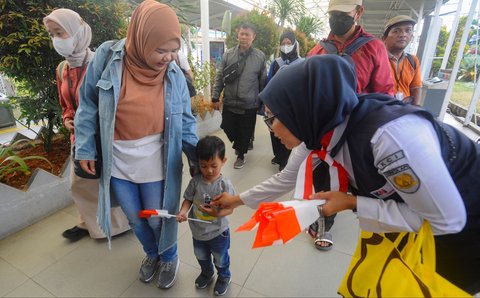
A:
<point x="397" y="78"/>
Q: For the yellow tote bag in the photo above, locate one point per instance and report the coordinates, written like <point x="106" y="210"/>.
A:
<point x="401" y="268"/>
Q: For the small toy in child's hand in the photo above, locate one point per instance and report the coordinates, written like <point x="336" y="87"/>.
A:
<point x="207" y="198"/>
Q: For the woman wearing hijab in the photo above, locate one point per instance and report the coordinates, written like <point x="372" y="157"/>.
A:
<point x="71" y="37"/>
<point x="140" y="102"/>
<point x="289" y="55"/>
<point x="401" y="166"/>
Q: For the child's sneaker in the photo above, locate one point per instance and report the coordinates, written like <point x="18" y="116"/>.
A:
<point x="221" y="286"/>
<point x="203" y="280"/>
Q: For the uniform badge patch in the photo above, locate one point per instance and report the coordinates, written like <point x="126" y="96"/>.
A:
<point x="403" y="178"/>
<point x="383" y="192"/>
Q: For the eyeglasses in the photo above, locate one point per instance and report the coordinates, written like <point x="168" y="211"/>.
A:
<point x="269" y="121"/>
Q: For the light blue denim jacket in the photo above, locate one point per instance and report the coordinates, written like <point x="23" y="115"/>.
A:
<point x="98" y="104"/>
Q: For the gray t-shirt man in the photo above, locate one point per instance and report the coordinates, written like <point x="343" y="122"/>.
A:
<point x="199" y="192"/>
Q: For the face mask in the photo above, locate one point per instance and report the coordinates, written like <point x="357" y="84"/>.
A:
<point x="64" y="47"/>
<point x="341" y="23"/>
<point x="286" y="48"/>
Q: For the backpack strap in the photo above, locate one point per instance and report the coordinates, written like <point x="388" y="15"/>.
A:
<point x="279" y="61"/>
<point x="412" y="61"/>
<point x="329" y="47"/>
<point x="60" y="69"/>
<point x="357" y="44"/>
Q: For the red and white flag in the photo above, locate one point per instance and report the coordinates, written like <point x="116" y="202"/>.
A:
<point x="279" y="222"/>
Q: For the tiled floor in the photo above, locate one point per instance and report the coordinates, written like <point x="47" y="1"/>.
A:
<point x="38" y="262"/>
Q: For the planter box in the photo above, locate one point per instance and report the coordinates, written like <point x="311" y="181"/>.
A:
<point x="208" y="125"/>
<point x="45" y="194"/>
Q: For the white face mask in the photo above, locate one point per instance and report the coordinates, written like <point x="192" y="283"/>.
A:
<point x="286" y="48"/>
<point x="63" y="46"/>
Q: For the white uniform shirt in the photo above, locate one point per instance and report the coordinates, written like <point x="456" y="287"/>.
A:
<point x="436" y="199"/>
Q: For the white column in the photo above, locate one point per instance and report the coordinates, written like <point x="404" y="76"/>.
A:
<point x="205" y="24"/>
<point x="451" y="37"/>
<point x="458" y="59"/>
<point x="473" y="104"/>
<point x="431" y="42"/>
<point x="413" y="46"/>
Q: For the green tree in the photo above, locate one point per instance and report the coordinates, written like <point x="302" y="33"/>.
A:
<point x="310" y="25"/>
<point x="287" y="10"/>
<point x="266" y="36"/>
<point x="28" y="55"/>
<point x="440" y="50"/>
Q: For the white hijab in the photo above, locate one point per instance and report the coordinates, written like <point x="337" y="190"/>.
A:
<point x="77" y="28"/>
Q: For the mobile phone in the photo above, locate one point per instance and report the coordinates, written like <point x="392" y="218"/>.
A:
<point x="207" y="198"/>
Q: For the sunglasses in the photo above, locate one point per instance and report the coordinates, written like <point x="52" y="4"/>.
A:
<point x="269" y="121"/>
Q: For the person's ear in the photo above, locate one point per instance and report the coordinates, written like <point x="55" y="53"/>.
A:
<point x="224" y="161"/>
<point x="359" y="13"/>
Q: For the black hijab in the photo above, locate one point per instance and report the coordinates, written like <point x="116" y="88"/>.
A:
<point x="315" y="96"/>
<point x="293" y="55"/>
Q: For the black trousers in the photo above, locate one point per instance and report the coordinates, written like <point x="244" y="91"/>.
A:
<point x="280" y="152"/>
<point x="239" y="128"/>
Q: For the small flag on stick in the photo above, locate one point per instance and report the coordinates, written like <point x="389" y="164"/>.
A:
<point x="164" y="213"/>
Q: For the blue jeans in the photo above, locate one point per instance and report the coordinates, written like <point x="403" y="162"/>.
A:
<point x="134" y="197"/>
<point x="218" y="247"/>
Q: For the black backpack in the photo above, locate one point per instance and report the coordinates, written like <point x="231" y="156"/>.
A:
<point x="347" y="53"/>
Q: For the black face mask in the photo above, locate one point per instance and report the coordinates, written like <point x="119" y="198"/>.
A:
<point x="340" y="23"/>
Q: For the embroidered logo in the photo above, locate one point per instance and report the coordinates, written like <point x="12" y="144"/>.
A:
<point x="403" y="178"/>
<point x="381" y="165"/>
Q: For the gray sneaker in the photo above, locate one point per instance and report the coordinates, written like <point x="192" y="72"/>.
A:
<point x="221" y="286"/>
<point x="148" y="269"/>
<point x="168" y="274"/>
<point x="239" y="163"/>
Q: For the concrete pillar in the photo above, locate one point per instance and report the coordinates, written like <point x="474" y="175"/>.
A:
<point x="205" y="25"/>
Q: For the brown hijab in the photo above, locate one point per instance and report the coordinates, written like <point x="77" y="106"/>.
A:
<point x="140" y="110"/>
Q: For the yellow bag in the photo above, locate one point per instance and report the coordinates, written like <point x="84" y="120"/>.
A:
<point x="380" y="269"/>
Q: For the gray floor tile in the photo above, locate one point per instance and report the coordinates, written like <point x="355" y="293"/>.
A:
<point x="94" y="270"/>
<point x="29" y="289"/>
<point x="244" y="292"/>
<point x="297" y="270"/>
<point x="39" y="246"/>
<point x="10" y="278"/>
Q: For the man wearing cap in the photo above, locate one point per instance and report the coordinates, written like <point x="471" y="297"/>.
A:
<point x="370" y="59"/>
<point x="405" y="67"/>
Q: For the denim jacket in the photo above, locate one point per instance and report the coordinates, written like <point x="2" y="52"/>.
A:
<point x="98" y="104"/>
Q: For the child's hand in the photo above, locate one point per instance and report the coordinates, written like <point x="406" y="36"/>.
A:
<point x="210" y="210"/>
<point x="181" y="216"/>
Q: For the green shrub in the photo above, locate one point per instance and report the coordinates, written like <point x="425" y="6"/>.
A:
<point x="11" y="162"/>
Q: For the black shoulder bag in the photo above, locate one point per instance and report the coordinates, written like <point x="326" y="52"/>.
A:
<point x="232" y="72"/>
